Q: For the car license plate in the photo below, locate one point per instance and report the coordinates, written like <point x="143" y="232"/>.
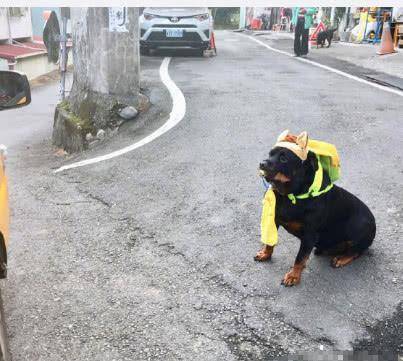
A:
<point x="174" y="33"/>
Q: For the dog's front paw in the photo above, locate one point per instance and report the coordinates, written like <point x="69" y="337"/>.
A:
<point x="264" y="254"/>
<point x="291" y="278"/>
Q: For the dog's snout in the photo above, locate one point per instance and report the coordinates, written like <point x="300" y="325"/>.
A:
<point x="266" y="164"/>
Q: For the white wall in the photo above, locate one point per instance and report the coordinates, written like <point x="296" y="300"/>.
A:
<point x="3" y="24"/>
<point x="3" y="64"/>
<point x="21" y="26"/>
<point x="38" y="65"/>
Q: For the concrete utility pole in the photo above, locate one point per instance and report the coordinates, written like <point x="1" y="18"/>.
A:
<point x="106" y="74"/>
<point x="65" y="13"/>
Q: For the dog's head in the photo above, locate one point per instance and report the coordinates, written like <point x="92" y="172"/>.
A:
<point x="289" y="165"/>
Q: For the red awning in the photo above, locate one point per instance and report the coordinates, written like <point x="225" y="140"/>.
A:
<point x="14" y="51"/>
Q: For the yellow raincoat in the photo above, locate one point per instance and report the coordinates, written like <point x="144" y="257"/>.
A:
<point x="328" y="161"/>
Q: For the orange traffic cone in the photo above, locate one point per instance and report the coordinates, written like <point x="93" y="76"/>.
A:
<point x="386" y="41"/>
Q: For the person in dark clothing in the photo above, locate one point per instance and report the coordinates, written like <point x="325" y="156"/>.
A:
<point x="302" y="20"/>
<point x="301" y="38"/>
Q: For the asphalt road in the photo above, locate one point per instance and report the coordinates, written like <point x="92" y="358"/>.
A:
<point x="350" y="63"/>
<point x="150" y="255"/>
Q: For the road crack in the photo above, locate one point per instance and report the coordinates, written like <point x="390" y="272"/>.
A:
<point x="95" y="197"/>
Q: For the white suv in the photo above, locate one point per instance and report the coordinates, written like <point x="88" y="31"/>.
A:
<point x="175" y="28"/>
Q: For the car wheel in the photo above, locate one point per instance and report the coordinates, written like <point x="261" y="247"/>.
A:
<point x="200" y="52"/>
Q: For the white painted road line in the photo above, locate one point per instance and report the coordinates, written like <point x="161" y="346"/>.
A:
<point x="176" y="115"/>
<point x="333" y="70"/>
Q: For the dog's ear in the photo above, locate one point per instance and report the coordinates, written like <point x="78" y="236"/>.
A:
<point x="283" y="136"/>
<point x="302" y="140"/>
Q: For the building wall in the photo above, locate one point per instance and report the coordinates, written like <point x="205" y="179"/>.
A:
<point x="20" y="23"/>
<point x="3" y="24"/>
<point x="242" y="17"/>
<point x="3" y="64"/>
<point x="35" y="66"/>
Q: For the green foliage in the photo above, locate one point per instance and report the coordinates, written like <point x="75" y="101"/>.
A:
<point x="83" y="124"/>
<point x="225" y="18"/>
<point x="326" y="21"/>
<point x="65" y="105"/>
<point x="338" y="15"/>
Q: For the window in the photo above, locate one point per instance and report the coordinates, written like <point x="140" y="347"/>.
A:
<point x="17" y="12"/>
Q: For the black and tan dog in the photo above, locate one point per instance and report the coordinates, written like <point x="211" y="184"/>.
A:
<point x="336" y="222"/>
<point x="323" y="36"/>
